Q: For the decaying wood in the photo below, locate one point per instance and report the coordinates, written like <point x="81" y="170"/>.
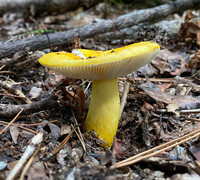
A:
<point x="37" y="6"/>
<point x="9" y="111"/>
<point x="103" y="26"/>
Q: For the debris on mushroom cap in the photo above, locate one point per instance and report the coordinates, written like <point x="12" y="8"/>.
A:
<point x="102" y="64"/>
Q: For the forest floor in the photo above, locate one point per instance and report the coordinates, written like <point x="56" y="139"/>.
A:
<point x="162" y="103"/>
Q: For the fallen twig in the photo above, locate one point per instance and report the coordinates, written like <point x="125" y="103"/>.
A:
<point x="28" y="164"/>
<point x="11" y="122"/>
<point x="152" y="79"/>
<point x="157" y="150"/>
<point x="58" y="6"/>
<point x="22" y="127"/>
<point x="34" y="124"/>
<point x="8" y="111"/>
<point x="79" y="133"/>
<point x="127" y="86"/>
<point x="183" y="110"/>
<point x="37" y="139"/>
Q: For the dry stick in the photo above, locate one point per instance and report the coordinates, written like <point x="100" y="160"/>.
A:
<point x="152" y="79"/>
<point x="6" y="72"/>
<point x="81" y="140"/>
<point x="87" y="87"/>
<point x="193" y="119"/>
<point x="190" y="111"/>
<point x="20" y="127"/>
<point x="160" y="146"/>
<point x="25" y="169"/>
<point x="11" y="122"/>
<point x="156" y="79"/>
<point x="37" y="139"/>
<point x="183" y="110"/>
<point x="8" y="111"/>
<point x="35" y="124"/>
<point x="30" y="130"/>
<point x="11" y="95"/>
<point x="41" y="6"/>
<point x="145" y="154"/>
<point x="103" y="26"/>
<point x="79" y="135"/>
<point x="127" y="86"/>
<point x="2" y="67"/>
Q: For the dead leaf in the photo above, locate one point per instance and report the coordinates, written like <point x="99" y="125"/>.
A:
<point x="3" y="165"/>
<point x="174" y="102"/>
<point x="147" y="70"/>
<point x="65" y="129"/>
<point x="55" y="130"/>
<point x="37" y="171"/>
<point x="196" y="152"/>
<point x="168" y="62"/>
<point x="164" y="86"/>
<point x="14" y="132"/>
<point x="12" y="164"/>
<point x="26" y="134"/>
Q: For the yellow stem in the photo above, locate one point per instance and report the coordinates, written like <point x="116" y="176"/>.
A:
<point x="104" y="110"/>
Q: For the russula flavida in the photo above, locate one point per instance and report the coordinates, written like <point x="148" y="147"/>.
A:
<point x="103" y="68"/>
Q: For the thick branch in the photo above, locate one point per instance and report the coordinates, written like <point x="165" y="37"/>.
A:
<point x="91" y="30"/>
<point x="9" y="111"/>
<point x="58" y="6"/>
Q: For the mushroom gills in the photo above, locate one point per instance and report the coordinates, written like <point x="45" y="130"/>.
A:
<point x="104" y="109"/>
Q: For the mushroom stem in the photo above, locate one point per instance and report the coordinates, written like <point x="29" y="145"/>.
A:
<point x="104" y="109"/>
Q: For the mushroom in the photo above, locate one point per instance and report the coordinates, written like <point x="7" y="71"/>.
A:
<point x="103" y="68"/>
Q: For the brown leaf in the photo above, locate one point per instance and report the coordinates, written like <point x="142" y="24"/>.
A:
<point x="37" y="171"/>
<point x="196" y="152"/>
<point x="164" y="86"/>
<point x="169" y="63"/>
<point x="174" y="102"/>
<point x="55" y="130"/>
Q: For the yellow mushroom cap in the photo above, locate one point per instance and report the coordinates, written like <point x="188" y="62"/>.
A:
<point x="101" y="64"/>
